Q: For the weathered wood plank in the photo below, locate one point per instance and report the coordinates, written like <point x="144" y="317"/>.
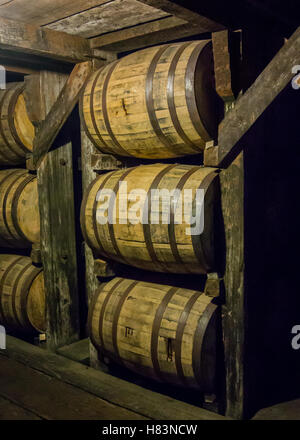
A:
<point x="179" y="11"/>
<point x="11" y="411"/>
<point x="148" y="34"/>
<point x="107" y="17"/>
<point x="117" y="391"/>
<point x="48" y="130"/>
<point x="51" y="399"/>
<point x="222" y="65"/>
<point x="30" y="39"/>
<point x="232" y="199"/>
<point x="250" y="106"/>
<point x="47" y="11"/>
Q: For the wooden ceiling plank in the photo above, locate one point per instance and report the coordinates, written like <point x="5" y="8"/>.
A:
<point x="108" y="17"/>
<point x="137" y="37"/>
<point x="172" y="8"/>
<point x="30" y="39"/>
<point x="45" y="11"/>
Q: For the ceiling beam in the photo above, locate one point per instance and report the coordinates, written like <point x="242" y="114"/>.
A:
<point x="33" y="40"/>
<point x="206" y="24"/>
<point x="147" y="34"/>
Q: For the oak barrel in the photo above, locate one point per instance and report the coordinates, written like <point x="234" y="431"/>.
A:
<point x="146" y="244"/>
<point x="22" y="295"/>
<point x="156" y="103"/>
<point x="16" y="130"/>
<point x="19" y="210"/>
<point x="162" y="332"/>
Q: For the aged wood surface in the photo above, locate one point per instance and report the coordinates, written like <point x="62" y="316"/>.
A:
<point x="114" y="390"/>
<point x="51" y="399"/>
<point x="107" y="17"/>
<point x="232" y="199"/>
<point x="30" y="39"/>
<point x="222" y="64"/>
<point x="179" y="11"/>
<point x="61" y="110"/>
<point x="46" y="11"/>
<point x="58" y="238"/>
<point x="250" y="106"/>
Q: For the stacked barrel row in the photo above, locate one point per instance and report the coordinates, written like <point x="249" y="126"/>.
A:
<point x="22" y="297"/>
<point x="158" y="103"/>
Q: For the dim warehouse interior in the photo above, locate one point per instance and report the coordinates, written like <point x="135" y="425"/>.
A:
<point x="118" y="113"/>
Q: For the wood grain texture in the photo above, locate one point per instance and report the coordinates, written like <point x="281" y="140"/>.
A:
<point x="62" y="108"/>
<point x="153" y="245"/>
<point x="51" y="399"/>
<point x="232" y="199"/>
<point x="33" y="40"/>
<point x="58" y="238"/>
<point x="11" y="411"/>
<point x="45" y="12"/>
<point x="22" y="296"/>
<point x="154" y="330"/>
<point x="112" y="389"/>
<point x="107" y="17"/>
<point x="155" y="103"/>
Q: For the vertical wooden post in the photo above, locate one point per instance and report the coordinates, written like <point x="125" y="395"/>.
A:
<point x="58" y="238"/>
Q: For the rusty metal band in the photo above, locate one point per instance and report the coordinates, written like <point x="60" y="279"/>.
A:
<point x="155" y="331"/>
<point x="102" y="312"/>
<point x="171" y="227"/>
<point x="11" y="111"/>
<point x="10" y="149"/>
<point x="150" y="100"/>
<point x="14" y="292"/>
<point x="93" y="118"/>
<point x="111" y="228"/>
<point x="171" y="99"/>
<point x="116" y="319"/>
<point x="82" y="212"/>
<point x="179" y="336"/>
<point x="14" y="206"/>
<point x="197" y="239"/>
<point x="2" y="282"/>
<point x="94" y="215"/>
<point x="25" y="292"/>
<point x="198" y="344"/>
<point x="190" y="93"/>
<point x="16" y="241"/>
<point x="91" y="311"/>
<point x="122" y="151"/>
<point x="147" y="226"/>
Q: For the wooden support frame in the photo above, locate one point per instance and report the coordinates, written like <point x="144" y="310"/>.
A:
<point x="57" y="217"/>
<point x="250" y="106"/>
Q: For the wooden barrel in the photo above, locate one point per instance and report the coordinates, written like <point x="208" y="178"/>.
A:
<point x="156" y="247"/>
<point x="22" y="295"/>
<point x="16" y="130"/>
<point x="156" y="103"/>
<point x="19" y="211"/>
<point x="163" y="332"/>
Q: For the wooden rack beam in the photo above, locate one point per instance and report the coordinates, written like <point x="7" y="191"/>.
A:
<point x="250" y="106"/>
